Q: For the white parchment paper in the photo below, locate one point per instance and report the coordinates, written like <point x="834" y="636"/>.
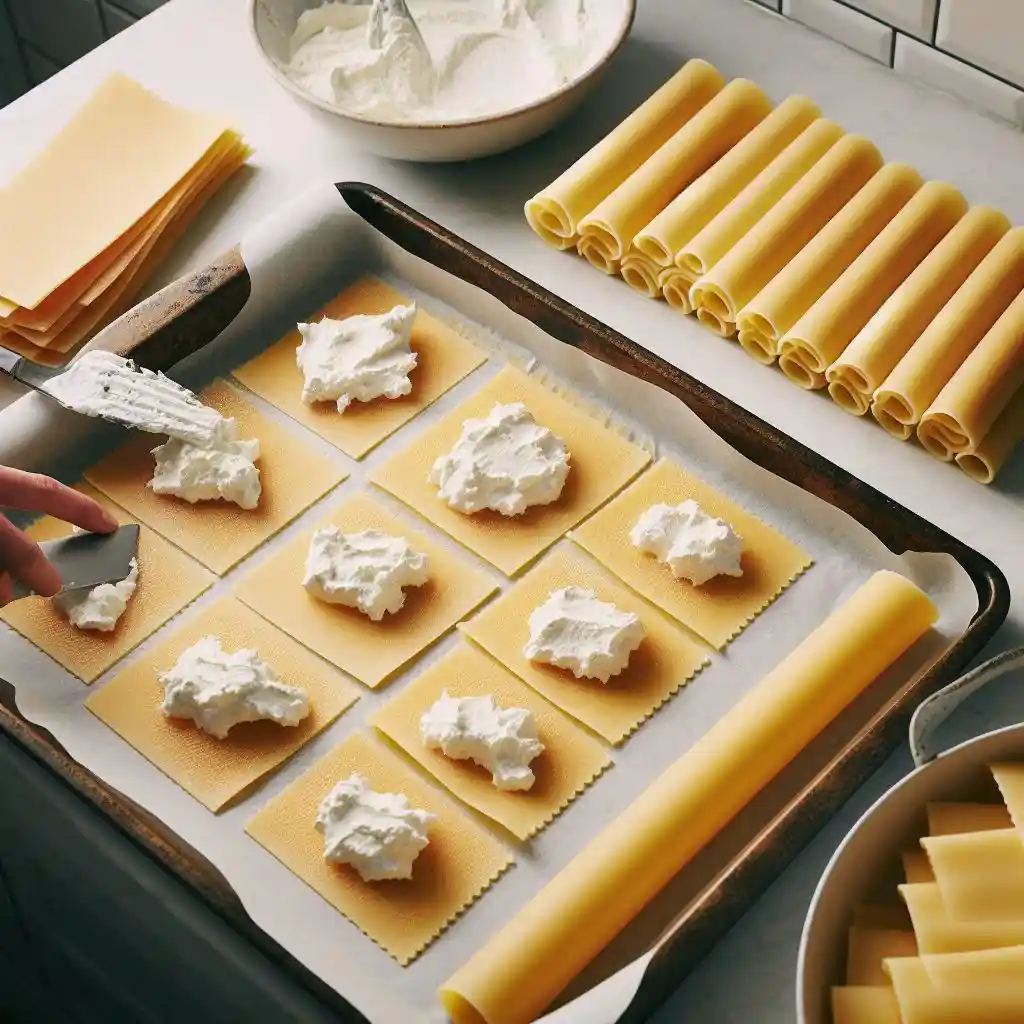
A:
<point x="298" y="259"/>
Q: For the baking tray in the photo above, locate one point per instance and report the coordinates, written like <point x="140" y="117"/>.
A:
<point x="726" y="879"/>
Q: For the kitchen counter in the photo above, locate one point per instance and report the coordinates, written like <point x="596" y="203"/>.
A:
<point x="199" y="53"/>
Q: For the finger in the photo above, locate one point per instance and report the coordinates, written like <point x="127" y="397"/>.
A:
<point x="37" y="493"/>
<point x="6" y="589"/>
<point x="24" y="560"/>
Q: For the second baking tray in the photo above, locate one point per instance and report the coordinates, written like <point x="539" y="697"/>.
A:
<point x="720" y="885"/>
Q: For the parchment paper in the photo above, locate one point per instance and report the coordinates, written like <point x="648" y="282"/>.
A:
<point x="298" y="259"/>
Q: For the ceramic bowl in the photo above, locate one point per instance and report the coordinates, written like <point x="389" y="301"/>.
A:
<point x="273" y="23"/>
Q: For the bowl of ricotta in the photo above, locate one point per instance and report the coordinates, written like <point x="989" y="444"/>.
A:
<point x="441" y="80"/>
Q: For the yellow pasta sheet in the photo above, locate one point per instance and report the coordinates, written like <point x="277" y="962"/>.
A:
<point x="699" y="202"/>
<point x="555" y="212"/>
<point x="675" y="287"/>
<point x="218" y="771"/>
<point x="951" y="337"/>
<point x="403" y="916"/>
<point x="980" y="874"/>
<point x="601" y="463"/>
<point x="721" y="608"/>
<point x="996" y="447"/>
<point x="665" y="661"/>
<point x="865" y="1004"/>
<point x="595" y="252"/>
<point x="370" y="651"/>
<point x="949" y="819"/>
<point x="886" y="338"/>
<point x="866" y="949"/>
<point x="706" y="137"/>
<point x="571" y="759"/>
<point x="123" y="151"/>
<point x="641" y="274"/>
<point x="525" y="965"/>
<point x="824" y="331"/>
<point x="1010" y="780"/>
<point x="725" y="230"/>
<point x="973" y="398"/>
<point x="219" y="533"/>
<point x="168" y="581"/>
<point x="781" y="303"/>
<point x="937" y="932"/>
<point x="443" y="358"/>
<point x="787" y="227"/>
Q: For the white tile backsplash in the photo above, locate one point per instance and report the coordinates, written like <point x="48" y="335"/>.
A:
<point x="855" y="30"/>
<point x="989" y="33"/>
<point x="914" y="16"/>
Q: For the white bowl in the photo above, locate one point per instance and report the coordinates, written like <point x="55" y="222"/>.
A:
<point x="273" y="22"/>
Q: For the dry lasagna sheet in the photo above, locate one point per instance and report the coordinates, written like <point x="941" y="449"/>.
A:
<point x="298" y="259"/>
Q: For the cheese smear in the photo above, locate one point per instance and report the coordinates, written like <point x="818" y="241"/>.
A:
<point x="196" y="474"/>
<point x="378" y="834"/>
<point x="366" y="570"/>
<point x="695" y="546"/>
<point x="478" y="729"/>
<point x="593" y="639"/>
<point x="99" y="608"/>
<point x="505" y="462"/>
<point x="357" y="359"/>
<point x="218" y="690"/>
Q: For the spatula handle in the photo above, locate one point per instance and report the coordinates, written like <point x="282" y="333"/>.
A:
<point x="180" y="318"/>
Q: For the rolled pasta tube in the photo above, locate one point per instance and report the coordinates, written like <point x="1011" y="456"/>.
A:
<point x="886" y="338"/>
<point x="723" y="328"/>
<point x="641" y="274"/>
<point x="823" y="332"/>
<point x="758" y="345"/>
<point x="714" y="240"/>
<point x="555" y="212"/>
<point x="698" y="203"/>
<point x="996" y="447"/>
<point x="596" y="256"/>
<point x="781" y="303"/>
<point x="979" y="391"/>
<point x="709" y="134"/>
<point x="794" y="365"/>
<point x="787" y="227"/>
<point x="949" y="339"/>
<point x="675" y="286"/>
<point x="512" y="978"/>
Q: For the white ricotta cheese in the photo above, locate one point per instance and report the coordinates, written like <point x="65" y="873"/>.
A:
<point x="502" y="740"/>
<point x="695" y="546"/>
<point x="195" y="474"/>
<point x="101" y="607"/>
<point x="357" y="359"/>
<point x="378" y="834"/>
<point x="218" y="690"/>
<point x="593" y="639"/>
<point x="506" y="462"/>
<point x="366" y="570"/>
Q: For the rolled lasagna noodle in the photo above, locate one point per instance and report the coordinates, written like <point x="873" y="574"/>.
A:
<point x="723" y="328"/>
<point x="781" y="303"/>
<point x="824" y="331"/>
<point x="786" y="228"/>
<point x="713" y="241"/>
<point x="555" y="212"/>
<point x="950" y="338"/>
<point x="525" y="965"/>
<point x="675" y="286"/>
<point x="886" y="338"/>
<point x="984" y="463"/>
<point x="709" y="134"/>
<point x="979" y="391"/>
<point x="698" y="203"/>
<point x="641" y="274"/>
<point x="938" y="932"/>
<point x="596" y="255"/>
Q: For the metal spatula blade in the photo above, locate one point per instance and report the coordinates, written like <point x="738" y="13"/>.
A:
<point x="85" y="560"/>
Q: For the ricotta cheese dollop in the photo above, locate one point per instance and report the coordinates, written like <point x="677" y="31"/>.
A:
<point x="572" y="629"/>
<point x="478" y="729"/>
<point x="218" y="690"/>
<point x="695" y="546"/>
<point x="99" y="608"/>
<point x="195" y="474"/>
<point x="378" y="834"/>
<point x="367" y="570"/>
<point x="506" y="462"/>
<point x="357" y="359"/>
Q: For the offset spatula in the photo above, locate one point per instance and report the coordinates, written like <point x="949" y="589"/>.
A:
<point x="85" y="560"/>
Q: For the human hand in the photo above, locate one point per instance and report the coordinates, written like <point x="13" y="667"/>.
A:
<point x="20" y="557"/>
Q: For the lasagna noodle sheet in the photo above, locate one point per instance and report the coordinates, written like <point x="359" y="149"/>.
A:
<point x="641" y="274"/>
<point x="938" y="932"/>
<point x="555" y="212"/>
<point x="865" y="1004"/>
<point x="525" y="965"/>
<point x="980" y="874"/>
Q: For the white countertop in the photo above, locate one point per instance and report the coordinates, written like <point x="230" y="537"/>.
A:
<point x="198" y="52"/>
